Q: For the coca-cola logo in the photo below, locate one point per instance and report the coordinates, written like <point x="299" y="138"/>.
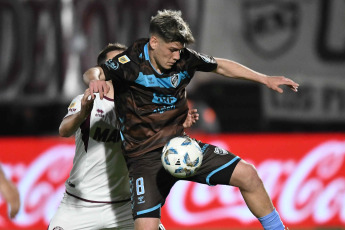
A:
<point x="311" y="188"/>
<point x="41" y="184"/>
<point x="316" y="188"/>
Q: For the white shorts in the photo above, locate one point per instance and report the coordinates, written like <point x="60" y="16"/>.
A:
<point x="75" y="214"/>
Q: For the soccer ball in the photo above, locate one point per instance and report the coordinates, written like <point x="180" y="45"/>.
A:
<point x="181" y="157"/>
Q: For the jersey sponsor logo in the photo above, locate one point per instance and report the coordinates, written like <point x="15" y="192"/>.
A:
<point x="100" y="113"/>
<point x="164" y="109"/>
<point x="174" y="80"/>
<point x="151" y="80"/>
<point x="163" y="99"/>
<point x="112" y="65"/>
<point x="106" y="135"/>
<point x="72" y="110"/>
<point x="141" y="199"/>
<point x="72" y="105"/>
<point x="124" y="59"/>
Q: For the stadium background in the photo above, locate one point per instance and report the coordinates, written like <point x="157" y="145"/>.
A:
<point x="46" y="45"/>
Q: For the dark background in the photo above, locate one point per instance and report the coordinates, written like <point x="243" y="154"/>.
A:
<point x="45" y="47"/>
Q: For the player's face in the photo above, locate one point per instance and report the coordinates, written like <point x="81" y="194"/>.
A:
<point x="165" y="55"/>
<point x="112" y="54"/>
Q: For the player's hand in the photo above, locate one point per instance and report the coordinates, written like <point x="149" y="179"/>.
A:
<point x="86" y="104"/>
<point x="192" y="118"/>
<point x="98" y="86"/>
<point x="274" y="82"/>
<point x="11" y="195"/>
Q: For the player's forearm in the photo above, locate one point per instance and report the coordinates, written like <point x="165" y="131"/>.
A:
<point x="3" y="182"/>
<point x="2" y="176"/>
<point x="233" y="69"/>
<point x="70" y="124"/>
<point x="94" y="73"/>
<point x="3" y="187"/>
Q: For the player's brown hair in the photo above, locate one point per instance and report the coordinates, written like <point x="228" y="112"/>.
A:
<point x="169" y="25"/>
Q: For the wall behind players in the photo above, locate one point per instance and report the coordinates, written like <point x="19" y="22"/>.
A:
<point x="47" y="45"/>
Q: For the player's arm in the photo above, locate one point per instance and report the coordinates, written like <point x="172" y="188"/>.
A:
<point x="95" y="78"/>
<point x="233" y="69"/>
<point x="94" y="73"/>
<point x="191" y="119"/>
<point x="10" y="194"/>
<point x="70" y="124"/>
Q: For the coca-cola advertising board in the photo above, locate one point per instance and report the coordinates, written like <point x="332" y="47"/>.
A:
<point x="303" y="173"/>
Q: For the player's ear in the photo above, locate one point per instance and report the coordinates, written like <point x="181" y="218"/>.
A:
<point x="153" y="42"/>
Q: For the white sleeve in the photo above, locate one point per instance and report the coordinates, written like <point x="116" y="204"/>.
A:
<point x="75" y="106"/>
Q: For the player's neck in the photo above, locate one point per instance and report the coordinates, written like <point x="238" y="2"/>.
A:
<point x="153" y="62"/>
<point x="110" y="95"/>
<point x="155" y="65"/>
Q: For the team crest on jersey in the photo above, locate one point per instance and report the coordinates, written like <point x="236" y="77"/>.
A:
<point x="174" y="80"/>
<point x="124" y="59"/>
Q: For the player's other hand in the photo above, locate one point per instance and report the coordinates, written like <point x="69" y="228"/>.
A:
<point x="11" y="195"/>
<point x="86" y="104"/>
<point x="274" y="82"/>
<point x="192" y="118"/>
<point x="98" y="86"/>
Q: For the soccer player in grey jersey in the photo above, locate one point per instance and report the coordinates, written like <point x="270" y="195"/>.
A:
<point x="149" y="79"/>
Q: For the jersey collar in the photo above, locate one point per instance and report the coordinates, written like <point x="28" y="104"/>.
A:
<point x="147" y="57"/>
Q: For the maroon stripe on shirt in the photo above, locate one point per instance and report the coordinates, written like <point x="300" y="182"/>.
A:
<point x="98" y="202"/>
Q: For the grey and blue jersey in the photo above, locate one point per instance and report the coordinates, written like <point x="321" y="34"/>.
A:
<point x="151" y="106"/>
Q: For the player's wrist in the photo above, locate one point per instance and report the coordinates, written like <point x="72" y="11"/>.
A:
<point x="81" y="116"/>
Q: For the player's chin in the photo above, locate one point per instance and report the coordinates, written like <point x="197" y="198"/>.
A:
<point x="169" y="65"/>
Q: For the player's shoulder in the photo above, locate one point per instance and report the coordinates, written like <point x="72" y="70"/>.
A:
<point x="192" y="53"/>
<point x="134" y="53"/>
<point x="75" y="103"/>
<point x="128" y="58"/>
<point x="77" y="98"/>
<point x="138" y="45"/>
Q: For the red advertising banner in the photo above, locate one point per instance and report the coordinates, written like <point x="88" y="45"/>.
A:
<point x="303" y="173"/>
<point x="39" y="168"/>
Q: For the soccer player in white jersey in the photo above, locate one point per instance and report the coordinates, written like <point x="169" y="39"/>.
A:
<point x="97" y="191"/>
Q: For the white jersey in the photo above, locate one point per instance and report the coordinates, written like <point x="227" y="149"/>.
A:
<point x="99" y="172"/>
